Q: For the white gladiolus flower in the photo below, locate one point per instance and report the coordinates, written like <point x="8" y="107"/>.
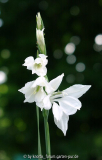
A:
<point x="38" y="17"/>
<point x="50" y="88"/>
<point x="34" y="91"/>
<point x="38" y="65"/>
<point x="40" y="39"/>
<point x="63" y="103"/>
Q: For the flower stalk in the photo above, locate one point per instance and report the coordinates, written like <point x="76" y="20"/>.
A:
<point x="39" y="143"/>
<point x="47" y="134"/>
<point x="42" y="49"/>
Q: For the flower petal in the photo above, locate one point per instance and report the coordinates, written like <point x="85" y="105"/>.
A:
<point x="77" y="90"/>
<point x="47" y="103"/>
<point x="69" y="105"/>
<point x="40" y="104"/>
<point x="57" y="111"/>
<point x="62" y="123"/>
<point x="29" y="61"/>
<point x="32" y="94"/>
<point x="43" y="58"/>
<point x="54" y="84"/>
<point x="26" y="88"/>
<point x="38" y="60"/>
<point x="30" y="98"/>
<point x="40" y="94"/>
<point x="40" y="81"/>
<point x="40" y="72"/>
<point x="28" y="91"/>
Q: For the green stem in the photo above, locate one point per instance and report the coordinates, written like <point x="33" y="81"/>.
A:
<point x="39" y="143"/>
<point x="47" y="135"/>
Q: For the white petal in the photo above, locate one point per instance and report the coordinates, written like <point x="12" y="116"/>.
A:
<point x="47" y="103"/>
<point x="38" y="60"/>
<point x="41" y="72"/>
<point x="30" y="98"/>
<point x="28" y="91"/>
<point x="43" y="58"/>
<point x="67" y="109"/>
<point x="29" y="61"/>
<point x="57" y="111"/>
<point x="35" y="93"/>
<point x="40" y="104"/>
<point x="54" y="84"/>
<point x="40" y="81"/>
<point x="39" y="95"/>
<point x="26" y="87"/>
<point x="77" y="90"/>
<point x="63" y="123"/>
<point x="48" y="88"/>
<point x="69" y="105"/>
<point x="31" y="93"/>
<point x="33" y="70"/>
<point x="39" y="66"/>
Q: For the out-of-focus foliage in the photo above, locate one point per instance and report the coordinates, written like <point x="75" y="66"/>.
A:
<point x="71" y="23"/>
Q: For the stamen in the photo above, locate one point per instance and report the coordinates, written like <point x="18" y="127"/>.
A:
<point x="56" y="95"/>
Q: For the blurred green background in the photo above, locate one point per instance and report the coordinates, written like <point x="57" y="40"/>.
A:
<point x="73" y="35"/>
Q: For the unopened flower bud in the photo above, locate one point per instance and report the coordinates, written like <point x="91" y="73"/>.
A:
<point x="38" y="18"/>
<point x="40" y="40"/>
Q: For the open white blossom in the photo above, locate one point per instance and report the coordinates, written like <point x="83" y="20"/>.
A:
<point x="34" y="91"/>
<point x="38" y="17"/>
<point x="40" y="39"/>
<point x="63" y="103"/>
<point x="38" y="65"/>
<point x="50" y="88"/>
